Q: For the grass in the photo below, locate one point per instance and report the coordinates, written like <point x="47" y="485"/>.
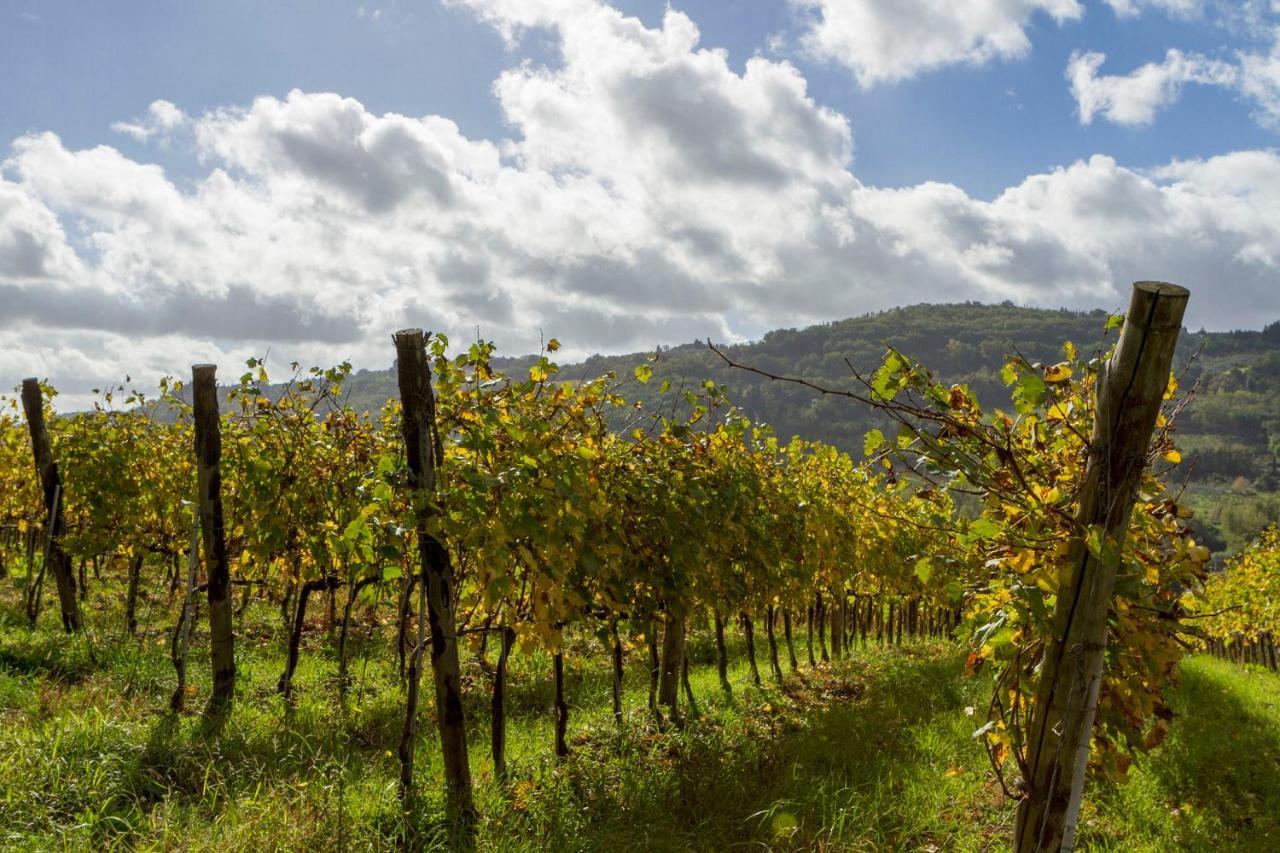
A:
<point x="1215" y="784"/>
<point x="872" y="753"/>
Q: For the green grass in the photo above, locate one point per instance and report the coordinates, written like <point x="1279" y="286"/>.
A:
<point x="872" y="753"/>
<point x="1215" y="784"/>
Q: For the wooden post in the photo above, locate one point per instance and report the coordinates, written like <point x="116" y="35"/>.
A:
<point x="673" y="643"/>
<point x="57" y="560"/>
<point x="561" y="706"/>
<point x="208" y="447"/>
<point x="1131" y="387"/>
<point x="423" y="450"/>
<point x="617" y="670"/>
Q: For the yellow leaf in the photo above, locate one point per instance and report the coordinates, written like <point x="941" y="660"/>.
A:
<point x="1058" y="373"/>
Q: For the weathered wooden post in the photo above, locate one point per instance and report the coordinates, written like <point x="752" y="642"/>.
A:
<point x="56" y="560"/>
<point x="673" y="648"/>
<point x="1129" y="393"/>
<point x="208" y="448"/>
<point x="422" y="450"/>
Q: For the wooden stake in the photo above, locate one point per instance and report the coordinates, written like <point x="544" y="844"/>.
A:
<point x="57" y="560"/>
<point x="208" y="447"/>
<point x="423" y="451"/>
<point x="1130" y="391"/>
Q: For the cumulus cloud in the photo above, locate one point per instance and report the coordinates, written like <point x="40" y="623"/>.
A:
<point x="883" y="41"/>
<point x="1136" y="97"/>
<point x="650" y="193"/>
<point x="1251" y="71"/>
<point x="33" y="247"/>
<point x="162" y="120"/>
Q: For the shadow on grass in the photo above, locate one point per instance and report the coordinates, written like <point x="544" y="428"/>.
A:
<point x="1215" y="784"/>
<point x="826" y="751"/>
<point x="61" y="658"/>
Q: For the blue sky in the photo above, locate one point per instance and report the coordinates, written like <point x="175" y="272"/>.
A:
<point x="600" y="172"/>
<point x="77" y="68"/>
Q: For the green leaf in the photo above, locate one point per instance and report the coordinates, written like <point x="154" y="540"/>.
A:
<point x="984" y="528"/>
<point x="886" y="381"/>
<point x="354" y="529"/>
<point x="924" y="569"/>
<point x="1115" y="321"/>
<point x="1093" y="540"/>
<point x="873" y="442"/>
<point x="643" y="372"/>
<point x="1030" y="392"/>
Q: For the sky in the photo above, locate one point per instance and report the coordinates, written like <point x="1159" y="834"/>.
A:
<point x="188" y="182"/>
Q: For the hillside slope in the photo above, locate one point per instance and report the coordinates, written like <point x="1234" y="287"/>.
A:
<point x="1230" y="434"/>
<point x="1231" y="430"/>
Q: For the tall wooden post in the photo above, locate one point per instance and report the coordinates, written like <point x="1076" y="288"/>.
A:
<point x="208" y="447"/>
<point x="57" y="560"/>
<point x="1130" y="390"/>
<point x="422" y="450"/>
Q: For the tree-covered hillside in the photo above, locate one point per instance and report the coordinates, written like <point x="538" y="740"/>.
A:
<point x="1230" y="431"/>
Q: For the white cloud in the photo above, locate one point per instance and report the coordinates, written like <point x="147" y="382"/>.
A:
<point x="1260" y="82"/>
<point x="33" y="248"/>
<point x="163" y="118"/>
<point x="883" y="41"/>
<point x="1136" y="97"/>
<point x="1184" y="9"/>
<point x="512" y="17"/>
<point x="1253" y="75"/>
<point x="651" y="194"/>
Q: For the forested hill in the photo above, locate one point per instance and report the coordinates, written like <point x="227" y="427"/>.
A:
<point x="1231" y="431"/>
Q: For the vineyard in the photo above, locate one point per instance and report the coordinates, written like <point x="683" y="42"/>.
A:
<point x="663" y="586"/>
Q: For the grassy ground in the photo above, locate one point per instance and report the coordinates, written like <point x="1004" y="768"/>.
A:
<point x="873" y="753"/>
